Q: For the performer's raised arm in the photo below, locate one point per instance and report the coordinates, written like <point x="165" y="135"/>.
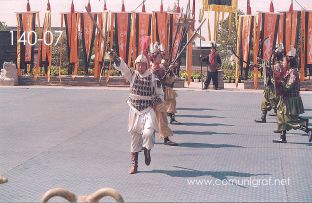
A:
<point x="120" y="65"/>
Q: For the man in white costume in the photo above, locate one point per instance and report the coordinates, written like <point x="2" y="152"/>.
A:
<point x="145" y="93"/>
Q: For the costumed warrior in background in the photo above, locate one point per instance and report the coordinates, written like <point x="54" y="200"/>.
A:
<point x="214" y="62"/>
<point x="145" y="93"/>
<point x="161" y="112"/>
<point x="270" y="96"/>
<point x="170" y="93"/>
<point x="290" y="105"/>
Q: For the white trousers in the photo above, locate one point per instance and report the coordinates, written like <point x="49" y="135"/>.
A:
<point x="142" y="127"/>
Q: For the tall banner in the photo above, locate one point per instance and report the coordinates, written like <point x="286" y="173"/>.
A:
<point x="100" y="44"/>
<point x="112" y="33"/>
<point x="270" y="22"/>
<point x="292" y="25"/>
<point x="303" y="46"/>
<point x="281" y="31"/>
<point x="143" y="29"/>
<point x="246" y="37"/>
<point x="71" y="24"/>
<point x="140" y="28"/>
<point x="26" y="30"/>
<point x="162" y="21"/>
<point x="256" y="51"/>
<point x="46" y="46"/>
<point x="122" y="33"/>
<point x="88" y="37"/>
<point x="238" y="49"/>
<point x="176" y="31"/>
<point x="309" y="38"/>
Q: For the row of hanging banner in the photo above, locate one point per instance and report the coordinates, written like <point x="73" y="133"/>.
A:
<point x="122" y="31"/>
<point x="263" y="31"/>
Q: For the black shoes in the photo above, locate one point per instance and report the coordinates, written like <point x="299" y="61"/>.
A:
<point x="282" y="139"/>
<point x="167" y="141"/>
<point x="172" y="119"/>
<point x="147" y="155"/>
<point x="261" y="121"/>
<point x="263" y="117"/>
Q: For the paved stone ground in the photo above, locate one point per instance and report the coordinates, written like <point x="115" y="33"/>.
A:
<point x="77" y="138"/>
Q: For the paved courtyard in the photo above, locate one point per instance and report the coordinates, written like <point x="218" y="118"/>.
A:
<point x="77" y="138"/>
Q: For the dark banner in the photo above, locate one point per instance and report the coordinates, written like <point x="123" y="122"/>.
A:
<point x="88" y="36"/>
<point x="220" y="2"/>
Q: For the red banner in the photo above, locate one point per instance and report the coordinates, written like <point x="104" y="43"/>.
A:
<point x="309" y="39"/>
<point x="269" y="33"/>
<point x="291" y="29"/>
<point x="98" y="46"/>
<point x="123" y="34"/>
<point x="162" y="28"/>
<point x="88" y="34"/>
<point x="46" y="50"/>
<point x="281" y="29"/>
<point x="28" y="28"/>
<point x="246" y="34"/>
<point x="71" y="22"/>
<point x="143" y="29"/>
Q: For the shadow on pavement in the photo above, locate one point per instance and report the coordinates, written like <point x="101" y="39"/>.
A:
<point x="190" y="173"/>
<point x="205" y="124"/>
<point x="206" y="145"/>
<point x="195" y="109"/>
<point x="198" y="116"/>
<point x="309" y="144"/>
<point x="185" y="132"/>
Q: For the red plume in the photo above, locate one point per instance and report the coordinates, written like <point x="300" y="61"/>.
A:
<point x="105" y="7"/>
<point x="28" y="6"/>
<point x="72" y="8"/>
<point x="48" y="6"/>
<point x="123" y="8"/>
<point x="89" y="7"/>
<point x="143" y="7"/>
<point x="271" y="7"/>
<point x="248" y="8"/>
<point x="291" y="8"/>
<point x="161" y="6"/>
<point x="144" y="45"/>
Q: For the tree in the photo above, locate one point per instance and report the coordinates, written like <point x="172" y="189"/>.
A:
<point x="227" y="44"/>
<point x="3" y="26"/>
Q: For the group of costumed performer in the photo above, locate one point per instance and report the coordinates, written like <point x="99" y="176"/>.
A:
<point x="282" y="93"/>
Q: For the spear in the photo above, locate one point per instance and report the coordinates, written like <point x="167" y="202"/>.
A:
<point x="185" y="46"/>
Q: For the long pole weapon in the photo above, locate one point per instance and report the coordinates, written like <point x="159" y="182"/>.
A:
<point x="175" y="36"/>
<point x="185" y="30"/>
<point x="242" y="60"/>
<point x="185" y="46"/>
<point x="139" y="6"/>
